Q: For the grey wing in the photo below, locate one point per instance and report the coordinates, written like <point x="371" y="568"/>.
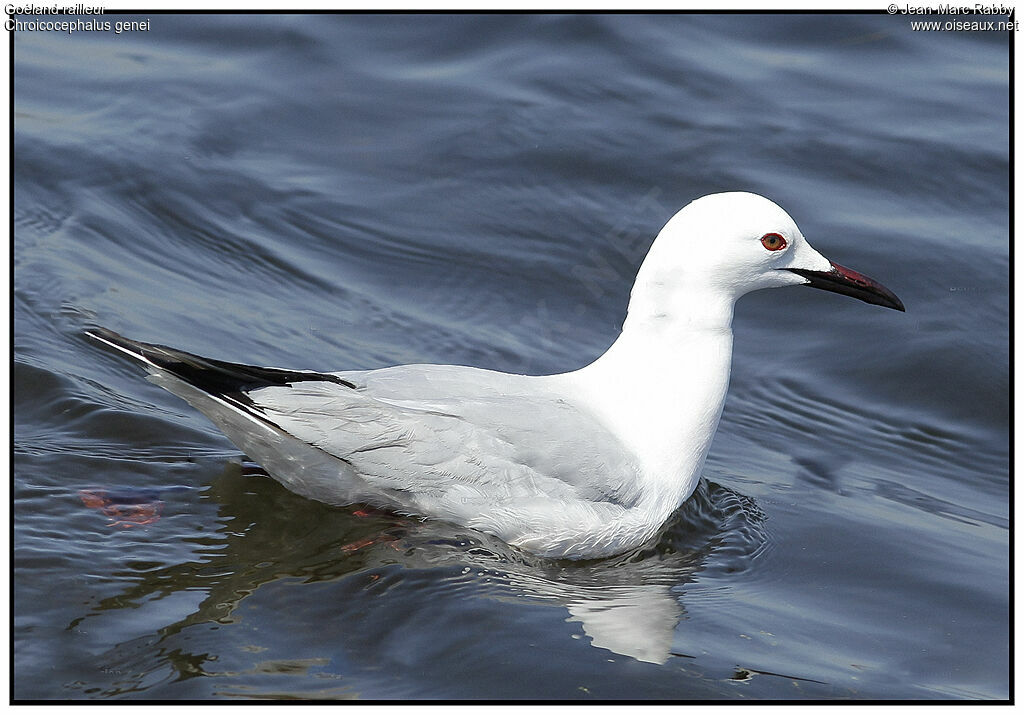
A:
<point x="453" y="441"/>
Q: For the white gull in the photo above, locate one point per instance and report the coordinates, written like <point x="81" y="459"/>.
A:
<point x="583" y="464"/>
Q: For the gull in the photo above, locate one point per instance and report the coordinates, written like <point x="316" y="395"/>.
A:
<point x="578" y="465"/>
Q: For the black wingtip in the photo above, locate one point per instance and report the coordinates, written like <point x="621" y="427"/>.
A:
<point x="213" y="376"/>
<point x="102" y="334"/>
<point x="120" y="343"/>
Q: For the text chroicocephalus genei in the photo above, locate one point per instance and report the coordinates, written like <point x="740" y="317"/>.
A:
<point x="583" y="464"/>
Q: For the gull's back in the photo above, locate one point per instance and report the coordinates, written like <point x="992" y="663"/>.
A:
<point x="506" y="454"/>
<point x="451" y="432"/>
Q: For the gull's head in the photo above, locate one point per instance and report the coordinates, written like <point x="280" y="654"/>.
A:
<point x="722" y="246"/>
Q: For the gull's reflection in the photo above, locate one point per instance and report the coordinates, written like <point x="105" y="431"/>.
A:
<point x="629" y="605"/>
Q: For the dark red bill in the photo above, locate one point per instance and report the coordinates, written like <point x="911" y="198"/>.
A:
<point x="848" y="282"/>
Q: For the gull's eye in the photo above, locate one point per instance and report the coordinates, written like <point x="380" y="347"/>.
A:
<point x="773" y="241"/>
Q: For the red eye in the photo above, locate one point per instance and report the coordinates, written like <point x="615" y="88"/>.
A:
<point x="773" y="241"/>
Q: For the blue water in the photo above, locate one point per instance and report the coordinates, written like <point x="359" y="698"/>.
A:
<point x="354" y="191"/>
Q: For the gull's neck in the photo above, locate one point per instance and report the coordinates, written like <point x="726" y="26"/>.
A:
<point x="661" y="386"/>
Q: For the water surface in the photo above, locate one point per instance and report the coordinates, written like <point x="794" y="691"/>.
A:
<point x="354" y="191"/>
